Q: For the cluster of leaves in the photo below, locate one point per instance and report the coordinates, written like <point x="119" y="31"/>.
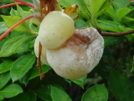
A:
<point x="19" y="76"/>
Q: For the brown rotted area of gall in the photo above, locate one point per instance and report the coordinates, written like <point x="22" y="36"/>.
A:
<point x="78" y="44"/>
<point x="77" y="39"/>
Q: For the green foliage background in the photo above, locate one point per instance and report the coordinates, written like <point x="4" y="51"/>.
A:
<point x="111" y="80"/>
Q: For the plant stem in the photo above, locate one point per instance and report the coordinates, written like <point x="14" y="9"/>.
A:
<point x="117" y="34"/>
<point x="15" y="25"/>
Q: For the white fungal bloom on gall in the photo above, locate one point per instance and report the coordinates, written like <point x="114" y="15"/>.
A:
<point x="80" y="54"/>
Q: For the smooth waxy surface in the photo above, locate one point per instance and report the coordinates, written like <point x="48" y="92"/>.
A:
<point x="55" y="29"/>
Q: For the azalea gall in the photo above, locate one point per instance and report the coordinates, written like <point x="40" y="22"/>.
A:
<point x="56" y="28"/>
<point x="79" y="55"/>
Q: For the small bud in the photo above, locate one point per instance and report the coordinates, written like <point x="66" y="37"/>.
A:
<point x="72" y="11"/>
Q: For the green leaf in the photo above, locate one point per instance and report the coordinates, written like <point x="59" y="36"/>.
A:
<point x="21" y="66"/>
<point x="104" y="7"/>
<point x="26" y="96"/>
<point x="26" y="46"/>
<point x="5" y="66"/>
<point x="132" y="70"/>
<point x="90" y="9"/>
<point x="22" y="48"/>
<point x="121" y="3"/>
<point x="96" y="93"/>
<point x="58" y="94"/>
<point x="122" y="12"/>
<point x="44" y="93"/>
<point x="112" y="26"/>
<point x="1" y="98"/>
<point x="35" y="71"/>
<point x="3" y="27"/>
<point x="121" y="86"/>
<point x="80" y="81"/>
<point x="20" y="12"/>
<point x="11" y="91"/>
<point x="94" y="6"/>
<point x="66" y="3"/>
<point x="11" y="20"/>
<point x="127" y="19"/>
<point x="112" y="40"/>
<point x="109" y="25"/>
<point x="130" y="37"/>
<point x="4" y="78"/>
<point x="12" y="44"/>
<point x="2" y="42"/>
<point x="80" y="23"/>
<point x="111" y="12"/>
<point x="28" y="1"/>
<point x="83" y="8"/>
